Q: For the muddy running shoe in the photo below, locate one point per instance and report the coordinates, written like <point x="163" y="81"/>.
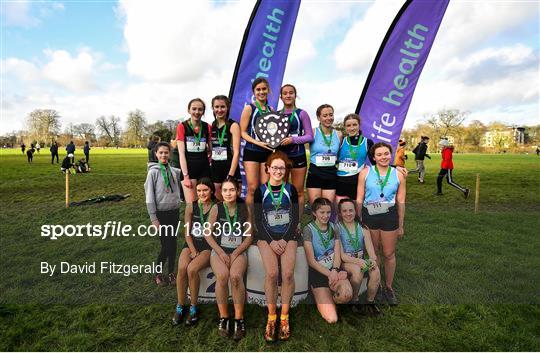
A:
<point x="223" y="327"/>
<point x="193" y="316"/>
<point x="239" y="329"/>
<point x="160" y="281"/>
<point x="379" y="297"/>
<point x="284" y="330"/>
<point x="466" y="193"/>
<point x="179" y="314"/>
<point x="372" y="309"/>
<point x="390" y="296"/>
<point x="270" y="332"/>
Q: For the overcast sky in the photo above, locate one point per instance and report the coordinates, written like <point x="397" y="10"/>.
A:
<point x="91" y="58"/>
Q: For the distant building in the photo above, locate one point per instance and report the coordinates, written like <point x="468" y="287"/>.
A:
<point x="504" y="138"/>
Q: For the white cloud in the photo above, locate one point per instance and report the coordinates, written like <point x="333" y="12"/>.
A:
<point x="72" y="72"/>
<point x="21" y="69"/>
<point x="179" y="40"/>
<point x="28" y="14"/>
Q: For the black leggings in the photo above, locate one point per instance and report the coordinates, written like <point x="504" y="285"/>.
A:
<point x="448" y="173"/>
<point x="168" y="237"/>
<point x="54" y="155"/>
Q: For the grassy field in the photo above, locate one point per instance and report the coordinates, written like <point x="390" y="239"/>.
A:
<point x="466" y="281"/>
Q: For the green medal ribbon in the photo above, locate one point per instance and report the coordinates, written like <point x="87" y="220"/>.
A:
<point x="201" y="210"/>
<point x="221" y="136"/>
<point x="292" y="114"/>
<point x="324" y="241"/>
<point x="382" y="183"/>
<point x="327" y="142"/>
<point x="198" y="136"/>
<point x="228" y="216"/>
<point x="353" y="150"/>
<point x="280" y="197"/>
<point x="259" y="108"/>
<point x="354" y="241"/>
<point x="165" y="176"/>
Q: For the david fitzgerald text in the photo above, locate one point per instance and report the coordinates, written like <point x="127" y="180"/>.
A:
<point x="99" y="267"/>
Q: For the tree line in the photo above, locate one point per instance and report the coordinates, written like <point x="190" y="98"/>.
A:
<point x="44" y="126"/>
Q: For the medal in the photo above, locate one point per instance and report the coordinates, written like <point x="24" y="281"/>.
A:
<point x="381" y="182"/>
<point x="327" y="142"/>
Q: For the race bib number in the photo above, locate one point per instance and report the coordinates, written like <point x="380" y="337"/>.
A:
<point x="378" y="207"/>
<point x="349" y="166"/>
<point x="219" y="153"/>
<point x="325" y="160"/>
<point x="193" y="146"/>
<point x="278" y="218"/>
<point x="231" y="241"/>
<point x="327" y="261"/>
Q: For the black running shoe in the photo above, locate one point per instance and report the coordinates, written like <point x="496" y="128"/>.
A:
<point x="438" y="194"/>
<point x="372" y="309"/>
<point x="239" y="329"/>
<point x="390" y="296"/>
<point x="179" y="314"/>
<point x="466" y="193"/>
<point x="379" y="297"/>
<point x="193" y="316"/>
<point x="223" y="327"/>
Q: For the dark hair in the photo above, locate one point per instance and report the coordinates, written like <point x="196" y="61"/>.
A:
<point x="319" y="110"/>
<point x="233" y="181"/>
<point x="197" y="100"/>
<point x="208" y="182"/>
<point x="377" y="145"/>
<point x="352" y="116"/>
<point x="278" y="155"/>
<point x="319" y="202"/>
<point x="227" y="101"/>
<point x="259" y="80"/>
<point x="162" y="144"/>
<point x="356" y="217"/>
<point x="287" y="85"/>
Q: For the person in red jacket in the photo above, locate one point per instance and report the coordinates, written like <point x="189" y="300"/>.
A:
<point x="446" y="169"/>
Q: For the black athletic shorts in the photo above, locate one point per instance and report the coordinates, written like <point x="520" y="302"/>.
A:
<point x="317" y="182"/>
<point x="254" y="156"/>
<point x="299" y="161"/>
<point x="346" y="189"/>
<point x="200" y="245"/>
<point x="198" y="169"/>
<point x="220" y="170"/>
<point x="386" y="221"/>
<point x="317" y="279"/>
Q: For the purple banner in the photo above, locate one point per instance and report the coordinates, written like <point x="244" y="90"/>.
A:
<point x="264" y="51"/>
<point x="392" y="79"/>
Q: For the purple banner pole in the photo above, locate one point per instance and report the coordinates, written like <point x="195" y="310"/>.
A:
<point x="263" y="53"/>
<point x="391" y="82"/>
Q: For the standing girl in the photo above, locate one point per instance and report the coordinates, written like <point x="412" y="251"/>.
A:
<point x="255" y="151"/>
<point x="381" y="192"/>
<point x="356" y="248"/>
<point x="162" y="189"/>
<point x="328" y="282"/>
<point x="225" y="144"/>
<point x="199" y="217"/>
<point x="321" y="179"/>
<point x="193" y="136"/>
<point x="300" y="133"/>
<point x="276" y="217"/>
<point x="353" y="155"/>
<point x="229" y="261"/>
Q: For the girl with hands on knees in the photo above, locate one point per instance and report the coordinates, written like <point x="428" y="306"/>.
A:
<point x="329" y="284"/>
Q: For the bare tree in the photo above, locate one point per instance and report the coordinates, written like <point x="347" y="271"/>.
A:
<point x="135" y="131"/>
<point x="446" y="121"/>
<point x="474" y="133"/>
<point x="85" y="131"/>
<point x="110" y="129"/>
<point x="43" y="124"/>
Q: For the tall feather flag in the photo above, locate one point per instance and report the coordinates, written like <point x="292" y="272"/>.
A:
<point x="391" y="82"/>
<point x="263" y="52"/>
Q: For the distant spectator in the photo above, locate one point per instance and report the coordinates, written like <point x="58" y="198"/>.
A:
<point x="23" y="148"/>
<point x="86" y="150"/>
<point x="68" y="165"/>
<point x="82" y="166"/>
<point x="401" y="155"/>
<point x="174" y="160"/>
<point x="537" y="151"/>
<point x="152" y="142"/>
<point x="30" y="154"/>
<point x="70" y="149"/>
<point x="54" y="152"/>
<point x="420" y="152"/>
<point x="38" y="147"/>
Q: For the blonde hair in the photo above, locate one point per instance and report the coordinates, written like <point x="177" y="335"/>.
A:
<point x="343" y="292"/>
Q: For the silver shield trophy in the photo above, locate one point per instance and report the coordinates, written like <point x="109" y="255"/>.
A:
<point x="272" y="128"/>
